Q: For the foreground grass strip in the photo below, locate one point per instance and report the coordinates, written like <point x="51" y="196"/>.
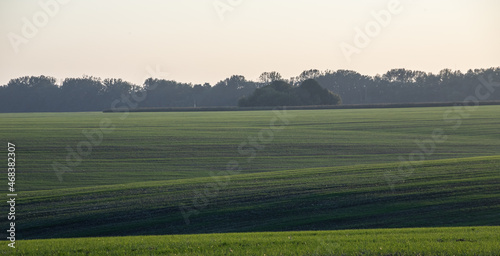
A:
<point x="414" y="241"/>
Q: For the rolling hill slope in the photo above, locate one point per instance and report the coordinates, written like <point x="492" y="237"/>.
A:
<point x="444" y="193"/>
<point x="168" y="146"/>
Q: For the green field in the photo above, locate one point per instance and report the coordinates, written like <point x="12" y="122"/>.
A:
<point x="167" y="146"/>
<point x="421" y="241"/>
<point x="259" y="171"/>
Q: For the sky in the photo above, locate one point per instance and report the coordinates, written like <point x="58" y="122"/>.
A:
<point x="198" y="41"/>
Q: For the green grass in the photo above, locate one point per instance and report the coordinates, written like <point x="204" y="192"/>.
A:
<point x="419" y="241"/>
<point x="440" y="193"/>
<point x="325" y="170"/>
<point x="167" y="146"/>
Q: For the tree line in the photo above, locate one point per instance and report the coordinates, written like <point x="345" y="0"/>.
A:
<point x="44" y="94"/>
<point x="281" y="93"/>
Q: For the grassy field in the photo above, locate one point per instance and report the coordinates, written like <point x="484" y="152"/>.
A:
<point x="440" y="193"/>
<point x="257" y="171"/>
<point x="167" y="146"/>
<point x="421" y="241"/>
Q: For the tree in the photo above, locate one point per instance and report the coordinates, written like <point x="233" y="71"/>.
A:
<point x="83" y="94"/>
<point x="280" y="93"/>
<point x="277" y="93"/>
<point x="309" y="74"/>
<point x="269" y="77"/>
<point x="400" y="75"/>
<point x="31" y="93"/>
<point x="311" y="93"/>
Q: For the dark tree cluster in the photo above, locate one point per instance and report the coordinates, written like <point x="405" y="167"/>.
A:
<point x="407" y="86"/>
<point x="44" y="94"/>
<point x="280" y="93"/>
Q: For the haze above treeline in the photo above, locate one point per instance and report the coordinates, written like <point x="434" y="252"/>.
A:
<point x="87" y="93"/>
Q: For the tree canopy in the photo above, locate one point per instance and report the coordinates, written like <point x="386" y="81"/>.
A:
<point x="280" y="93"/>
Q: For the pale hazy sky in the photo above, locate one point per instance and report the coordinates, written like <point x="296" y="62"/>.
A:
<point x="193" y="42"/>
